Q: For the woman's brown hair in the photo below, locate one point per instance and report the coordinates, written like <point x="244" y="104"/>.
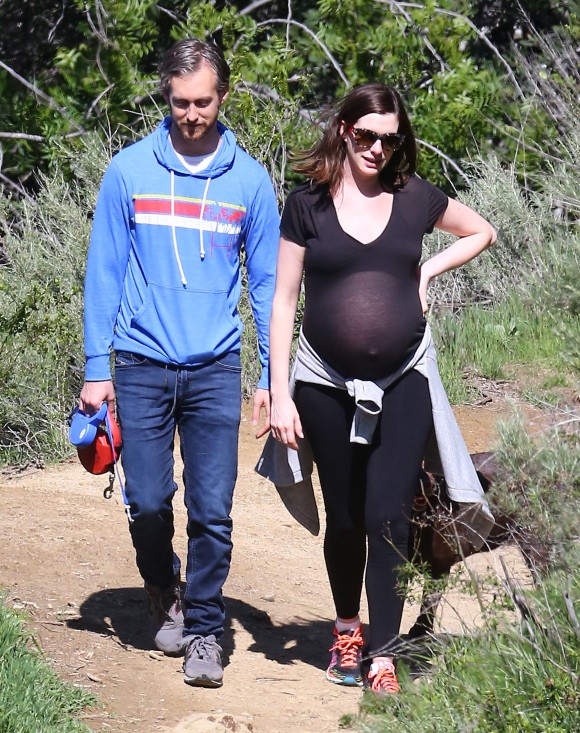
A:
<point x="323" y="162"/>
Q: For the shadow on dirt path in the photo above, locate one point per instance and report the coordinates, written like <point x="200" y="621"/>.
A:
<point x="66" y="561"/>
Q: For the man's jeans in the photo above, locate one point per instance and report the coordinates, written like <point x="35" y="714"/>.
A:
<point x="204" y="404"/>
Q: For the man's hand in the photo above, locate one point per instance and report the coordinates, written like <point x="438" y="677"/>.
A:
<point x="93" y="394"/>
<point x="261" y="402"/>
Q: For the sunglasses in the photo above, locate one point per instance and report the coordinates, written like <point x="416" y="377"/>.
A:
<point x="390" y="141"/>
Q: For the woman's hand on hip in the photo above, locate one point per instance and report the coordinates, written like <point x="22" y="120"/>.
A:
<point x="423" y="281"/>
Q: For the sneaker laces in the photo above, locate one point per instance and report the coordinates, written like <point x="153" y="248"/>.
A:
<point x="348" y="646"/>
<point x="383" y="677"/>
<point x="205" y="647"/>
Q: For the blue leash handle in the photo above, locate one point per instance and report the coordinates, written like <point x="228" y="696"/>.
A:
<point x="117" y="470"/>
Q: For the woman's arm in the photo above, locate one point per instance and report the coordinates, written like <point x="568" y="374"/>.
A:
<point x="284" y="420"/>
<point x="475" y="234"/>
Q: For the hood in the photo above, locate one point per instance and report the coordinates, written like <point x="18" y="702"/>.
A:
<point x="166" y="157"/>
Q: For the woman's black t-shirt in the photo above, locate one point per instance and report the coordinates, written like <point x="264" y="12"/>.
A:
<point x="362" y="311"/>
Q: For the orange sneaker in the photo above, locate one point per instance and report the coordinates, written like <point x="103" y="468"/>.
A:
<point x="344" y="667"/>
<point x="382" y="677"/>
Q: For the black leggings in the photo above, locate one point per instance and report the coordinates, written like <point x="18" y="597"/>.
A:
<point x="368" y="493"/>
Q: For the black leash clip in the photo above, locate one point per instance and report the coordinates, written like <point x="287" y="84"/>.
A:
<point x="108" y="492"/>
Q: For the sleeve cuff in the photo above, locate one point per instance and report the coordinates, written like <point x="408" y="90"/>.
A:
<point x="264" y="381"/>
<point x="98" y="368"/>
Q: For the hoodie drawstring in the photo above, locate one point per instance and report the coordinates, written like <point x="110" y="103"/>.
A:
<point x="173" y="232"/>
<point x="201" y="247"/>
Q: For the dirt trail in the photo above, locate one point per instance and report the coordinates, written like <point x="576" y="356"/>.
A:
<point x="67" y="561"/>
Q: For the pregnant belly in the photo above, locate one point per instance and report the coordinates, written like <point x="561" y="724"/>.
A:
<point x="365" y="337"/>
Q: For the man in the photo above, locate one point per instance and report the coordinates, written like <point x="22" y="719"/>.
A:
<point x="162" y="288"/>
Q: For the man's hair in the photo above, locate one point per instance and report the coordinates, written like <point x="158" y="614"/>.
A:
<point x="323" y="163"/>
<point x="187" y="56"/>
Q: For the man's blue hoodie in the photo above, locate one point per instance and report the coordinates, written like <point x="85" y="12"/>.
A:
<point x="163" y="271"/>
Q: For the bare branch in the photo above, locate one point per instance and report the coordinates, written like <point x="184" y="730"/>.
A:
<point x="262" y="91"/>
<point x="527" y="146"/>
<point x="171" y="14"/>
<point x="21" y="136"/>
<point x="306" y="29"/>
<point x="441" y="154"/>
<point x="54" y="28"/>
<point x="423" y="36"/>
<point x="571" y="611"/>
<point x="17" y="187"/>
<point x="98" y="99"/>
<point x="45" y="97"/>
<point x="471" y="24"/>
<point x="288" y="26"/>
<point x="254" y="6"/>
<point x="527" y="613"/>
<point x="101" y="13"/>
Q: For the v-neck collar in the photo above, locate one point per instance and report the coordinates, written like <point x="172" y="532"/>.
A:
<point x="355" y="239"/>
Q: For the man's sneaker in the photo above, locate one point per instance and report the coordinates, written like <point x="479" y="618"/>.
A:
<point x="382" y="677"/>
<point x="202" y="666"/>
<point x="344" y="667"/>
<point x="166" y="618"/>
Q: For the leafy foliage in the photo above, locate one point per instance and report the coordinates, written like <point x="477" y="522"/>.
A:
<point x="41" y="361"/>
<point x="519" y="671"/>
<point x="32" y="697"/>
<point x="540" y="484"/>
<point x="285" y="67"/>
<point x="93" y="67"/>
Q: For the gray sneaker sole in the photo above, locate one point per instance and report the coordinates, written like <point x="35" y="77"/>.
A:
<point x="202" y="681"/>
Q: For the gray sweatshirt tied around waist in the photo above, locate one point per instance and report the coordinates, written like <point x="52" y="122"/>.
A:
<point x="291" y="470"/>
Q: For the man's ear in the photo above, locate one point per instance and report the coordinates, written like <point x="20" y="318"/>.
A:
<point x="224" y="96"/>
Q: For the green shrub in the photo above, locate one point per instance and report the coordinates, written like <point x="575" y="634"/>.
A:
<point x="482" y="344"/>
<point x="510" y="678"/>
<point x="520" y="671"/>
<point x="41" y="319"/>
<point x="525" y="287"/>
<point x="32" y="697"/>
<point x="539" y="483"/>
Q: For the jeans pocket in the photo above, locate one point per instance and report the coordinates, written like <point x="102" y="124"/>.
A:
<point x="230" y="362"/>
<point x="128" y="359"/>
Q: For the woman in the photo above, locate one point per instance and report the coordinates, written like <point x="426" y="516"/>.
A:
<point x="355" y="230"/>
